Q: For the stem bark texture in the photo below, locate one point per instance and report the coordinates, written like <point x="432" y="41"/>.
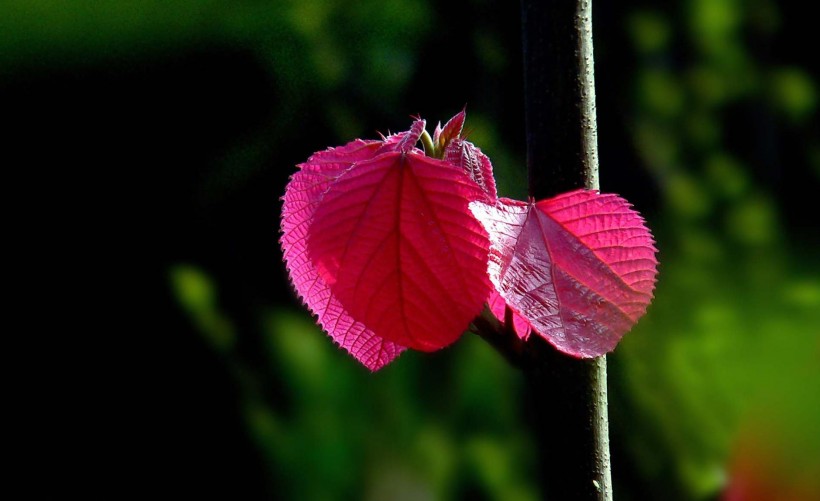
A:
<point x="567" y="397"/>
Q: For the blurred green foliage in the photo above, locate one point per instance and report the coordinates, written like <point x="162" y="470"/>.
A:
<point x="733" y="337"/>
<point x="731" y="343"/>
<point x="398" y="435"/>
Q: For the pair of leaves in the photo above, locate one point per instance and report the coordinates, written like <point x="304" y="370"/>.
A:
<point x="391" y="247"/>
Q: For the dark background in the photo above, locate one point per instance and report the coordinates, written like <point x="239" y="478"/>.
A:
<point x="148" y="144"/>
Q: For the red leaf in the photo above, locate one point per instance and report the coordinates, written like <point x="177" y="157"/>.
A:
<point x="475" y="163"/>
<point x="395" y="242"/>
<point x="407" y="139"/>
<point x="303" y="195"/>
<point x="452" y="130"/>
<point x="498" y="307"/>
<point x="579" y="267"/>
<point x="464" y="154"/>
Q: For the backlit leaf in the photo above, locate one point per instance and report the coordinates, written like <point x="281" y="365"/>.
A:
<point x="498" y="308"/>
<point x="474" y="162"/>
<point x="452" y="130"/>
<point x="580" y="267"/>
<point x="397" y="246"/>
<point x="303" y="195"/>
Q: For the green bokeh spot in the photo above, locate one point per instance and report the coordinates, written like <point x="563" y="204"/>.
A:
<point x="661" y="92"/>
<point x="196" y="294"/>
<point x="687" y="197"/>
<point x="650" y="31"/>
<point x="794" y="93"/>
<point x="753" y="221"/>
<point x="726" y="176"/>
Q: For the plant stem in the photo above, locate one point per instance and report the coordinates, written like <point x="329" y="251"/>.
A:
<point x="429" y="147"/>
<point x="567" y="396"/>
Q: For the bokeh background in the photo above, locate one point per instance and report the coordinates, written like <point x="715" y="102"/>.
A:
<point x="159" y="136"/>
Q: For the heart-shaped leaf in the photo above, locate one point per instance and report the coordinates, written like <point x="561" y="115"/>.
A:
<point x="303" y="195"/>
<point x="580" y="267"/>
<point x="399" y="249"/>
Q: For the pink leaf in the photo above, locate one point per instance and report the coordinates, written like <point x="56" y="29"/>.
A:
<point x="303" y="195"/>
<point x="397" y="246"/>
<point x="498" y="307"/>
<point x="408" y="139"/>
<point x="452" y="130"/>
<point x="579" y="267"/>
<point x="465" y="155"/>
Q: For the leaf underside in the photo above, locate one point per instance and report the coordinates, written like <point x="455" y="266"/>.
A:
<point x="580" y="267"/>
<point x="498" y="308"/>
